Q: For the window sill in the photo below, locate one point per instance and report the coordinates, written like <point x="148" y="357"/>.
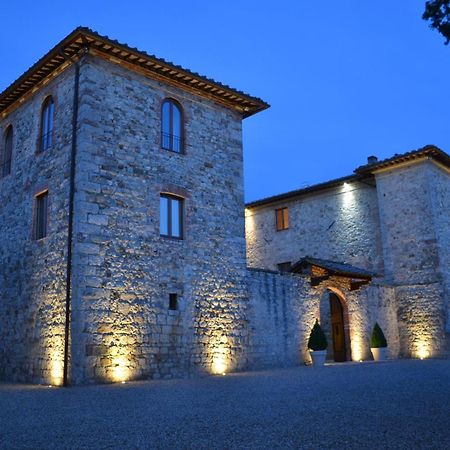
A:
<point x="171" y="238"/>
<point x="182" y="152"/>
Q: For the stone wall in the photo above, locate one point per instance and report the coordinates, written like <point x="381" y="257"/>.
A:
<point x="439" y="181"/>
<point x="32" y="273"/>
<point x="283" y="308"/>
<point x="382" y="309"/>
<point x="339" y="224"/>
<point x="281" y="311"/>
<point x="124" y="270"/>
<point x="412" y="220"/>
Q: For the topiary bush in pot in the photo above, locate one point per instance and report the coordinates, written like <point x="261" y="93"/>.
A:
<point x="378" y="343"/>
<point x="317" y="344"/>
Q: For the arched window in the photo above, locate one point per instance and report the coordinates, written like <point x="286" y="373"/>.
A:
<point x="5" y="159"/>
<point x="48" y="110"/>
<point x="172" y="126"/>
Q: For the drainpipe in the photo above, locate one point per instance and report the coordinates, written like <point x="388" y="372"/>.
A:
<point x="70" y="225"/>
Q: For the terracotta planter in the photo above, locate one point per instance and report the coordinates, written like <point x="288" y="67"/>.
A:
<point x="318" y="357"/>
<point x="379" y="354"/>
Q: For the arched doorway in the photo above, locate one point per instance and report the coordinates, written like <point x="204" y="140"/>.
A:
<point x="334" y="319"/>
<point x="338" y="335"/>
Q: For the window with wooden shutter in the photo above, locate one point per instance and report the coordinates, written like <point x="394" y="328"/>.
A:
<point x="282" y="219"/>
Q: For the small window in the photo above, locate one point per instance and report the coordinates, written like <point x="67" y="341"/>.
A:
<point x="282" y="219"/>
<point x="41" y="215"/>
<point x="172" y="126"/>
<point x="48" y="110"/>
<point x="284" y="267"/>
<point x="5" y="157"/>
<point x="173" y="302"/>
<point x="171" y="216"/>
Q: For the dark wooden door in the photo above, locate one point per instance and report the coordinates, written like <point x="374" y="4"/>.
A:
<point x="337" y="327"/>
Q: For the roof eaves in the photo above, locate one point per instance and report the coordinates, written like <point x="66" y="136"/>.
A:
<point x="53" y="53"/>
<point x="304" y="191"/>
<point x="429" y="151"/>
<point x="335" y="267"/>
<point x="93" y="33"/>
<point x="247" y="104"/>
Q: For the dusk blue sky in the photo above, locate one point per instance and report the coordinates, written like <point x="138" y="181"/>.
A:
<point x="345" y="79"/>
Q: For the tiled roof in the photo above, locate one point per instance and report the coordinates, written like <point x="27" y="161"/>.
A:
<point x="303" y="191"/>
<point x="429" y="151"/>
<point x="83" y="38"/>
<point x="338" y="268"/>
<point x="361" y="173"/>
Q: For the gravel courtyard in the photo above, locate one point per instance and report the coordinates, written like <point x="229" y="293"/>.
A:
<point x="404" y="404"/>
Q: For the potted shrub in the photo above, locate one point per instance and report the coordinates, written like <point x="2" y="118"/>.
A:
<point x="317" y="345"/>
<point x="378" y="344"/>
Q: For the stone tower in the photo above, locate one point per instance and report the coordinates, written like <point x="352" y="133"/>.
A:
<point x="108" y="291"/>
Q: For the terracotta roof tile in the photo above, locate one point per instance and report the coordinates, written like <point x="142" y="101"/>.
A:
<point x="83" y="37"/>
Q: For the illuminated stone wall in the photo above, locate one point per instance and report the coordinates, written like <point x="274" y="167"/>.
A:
<point x="32" y="274"/>
<point x="440" y="204"/>
<point x="283" y="308"/>
<point x="399" y="230"/>
<point x="339" y="224"/>
<point x="415" y="228"/>
<point x="124" y="271"/>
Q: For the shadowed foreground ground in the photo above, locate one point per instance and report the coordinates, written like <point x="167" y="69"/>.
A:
<point x="403" y="404"/>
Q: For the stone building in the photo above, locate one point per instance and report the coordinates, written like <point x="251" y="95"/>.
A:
<point x="377" y="242"/>
<point x="122" y="232"/>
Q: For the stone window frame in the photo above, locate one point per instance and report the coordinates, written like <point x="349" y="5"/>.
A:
<point x="182" y="217"/>
<point x="282" y="218"/>
<point x="9" y="129"/>
<point x="38" y="193"/>
<point x="172" y="100"/>
<point x="39" y="146"/>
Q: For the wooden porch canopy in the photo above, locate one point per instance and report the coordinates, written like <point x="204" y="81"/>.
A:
<point x="321" y="270"/>
<point x="83" y="40"/>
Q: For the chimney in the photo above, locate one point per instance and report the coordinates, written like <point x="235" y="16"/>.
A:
<point x="372" y="159"/>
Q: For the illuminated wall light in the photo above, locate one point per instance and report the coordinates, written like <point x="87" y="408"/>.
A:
<point x="220" y="359"/>
<point x="422" y="351"/>
<point x="57" y="370"/>
<point x="357" y="348"/>
<point x="121" y="371"/>
<point x="348" y="195"/>
<point x="219" y="365"/>
<point x="55" y="357"/>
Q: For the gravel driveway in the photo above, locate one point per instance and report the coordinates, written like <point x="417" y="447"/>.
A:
<point x="402" y="404"/>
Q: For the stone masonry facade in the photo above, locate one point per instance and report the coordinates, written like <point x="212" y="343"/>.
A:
<point x="234" y="309"/>
<point x="124" y="269"/>
<point x="32" y="273"/>
<point x="394" y="223"/>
